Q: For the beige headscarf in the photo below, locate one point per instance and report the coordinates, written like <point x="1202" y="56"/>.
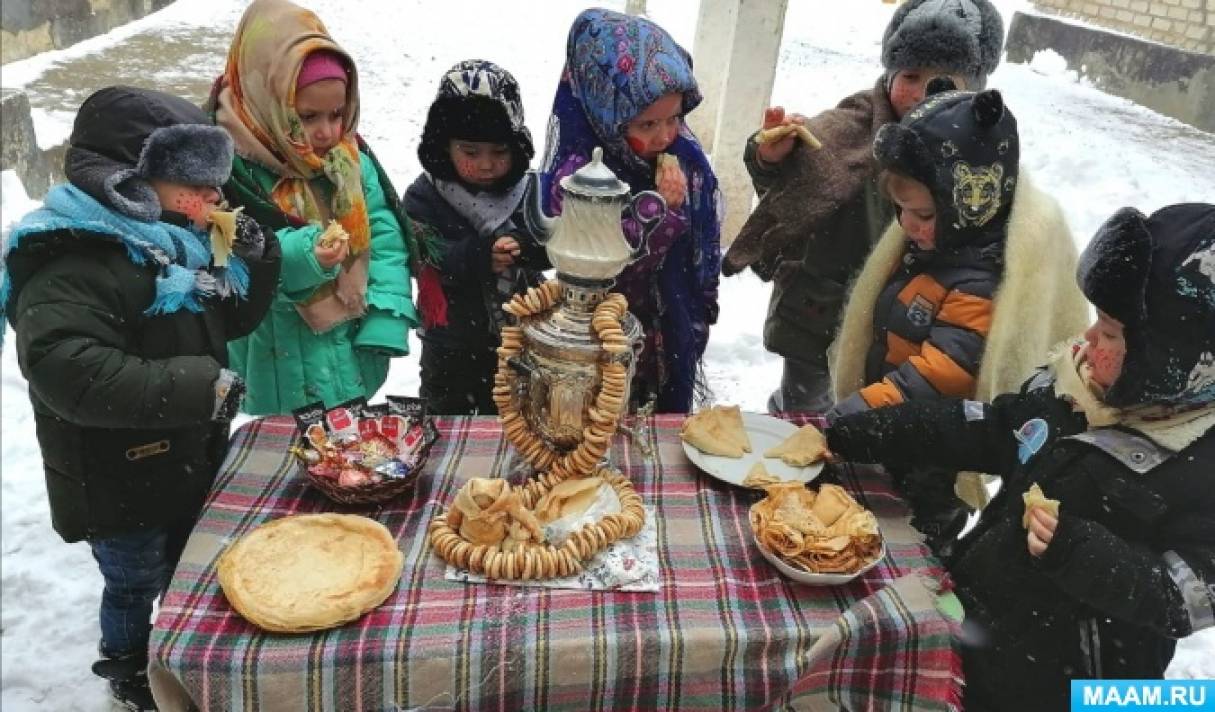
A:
<point x="1166" y="425"/>
<point x="256" y="104"/>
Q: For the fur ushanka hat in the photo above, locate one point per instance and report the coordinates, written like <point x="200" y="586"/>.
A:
<point x="125" y="136"/>
<point x="477" y="101"/>
<point x="1156" y="275"/>
<point x="964" y="37"/>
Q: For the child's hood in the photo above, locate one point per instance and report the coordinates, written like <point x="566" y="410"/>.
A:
<point x="618" y="65"/>
<point x="477" y="101"/>
<point x="964" y="147"/>
<point x="1156" y="275"/>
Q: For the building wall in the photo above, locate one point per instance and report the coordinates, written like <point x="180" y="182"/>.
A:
<point x="28" y="27"/>
<point x="1185" y="24"/>
<point x="1172" y="81"/>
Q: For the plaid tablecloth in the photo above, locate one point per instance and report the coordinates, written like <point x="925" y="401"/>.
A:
<point x="726" y="632"/>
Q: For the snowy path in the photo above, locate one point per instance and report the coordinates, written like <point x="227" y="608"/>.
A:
<point x="1093" y="151"/>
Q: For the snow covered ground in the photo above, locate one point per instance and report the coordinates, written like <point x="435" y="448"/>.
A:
<point x="1094" y="152"/>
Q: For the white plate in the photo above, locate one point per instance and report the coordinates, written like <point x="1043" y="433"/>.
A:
<point x="765" y="432"/>
<point x="812" y="579"/>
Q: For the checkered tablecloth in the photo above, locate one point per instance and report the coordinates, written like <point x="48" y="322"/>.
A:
<point x="726" y="632"/>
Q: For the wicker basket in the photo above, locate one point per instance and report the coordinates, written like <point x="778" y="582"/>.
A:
<point x="371" y="492"/>
<point x="541" y="561"/>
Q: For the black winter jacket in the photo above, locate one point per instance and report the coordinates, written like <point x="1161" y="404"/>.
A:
<point x="122" y="401"/>
<point x="458" y="359"/>
<point x="1130" y="568"/>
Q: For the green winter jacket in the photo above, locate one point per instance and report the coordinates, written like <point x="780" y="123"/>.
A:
<point x="284" y="364"/>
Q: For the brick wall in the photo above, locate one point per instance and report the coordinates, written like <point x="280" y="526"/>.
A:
<point x="1187" y="24"/>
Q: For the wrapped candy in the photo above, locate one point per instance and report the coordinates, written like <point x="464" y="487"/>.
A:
<point x="356" y="444"/>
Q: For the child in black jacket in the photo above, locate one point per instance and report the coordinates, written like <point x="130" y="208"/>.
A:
<point x="122" y="313"/>
<point x="1120" y="430"/>
<point x="477" y="209"/>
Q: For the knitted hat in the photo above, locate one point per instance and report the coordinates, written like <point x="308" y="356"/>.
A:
<point x="962" y="37"/>
<point x="1156" y="275"/>
<point x="477" y="101"/>
<point x="319" y="66"/>
<point x="124" y="137"/>
<point x="964" y="147"/>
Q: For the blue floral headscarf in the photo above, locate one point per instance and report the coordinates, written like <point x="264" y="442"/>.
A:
<point x="616" y="67"/>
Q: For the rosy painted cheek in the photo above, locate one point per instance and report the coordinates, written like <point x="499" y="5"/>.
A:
<point x="188" y="205"/>
<point x="636" y="144"/>
<point x="1106" y="361"/>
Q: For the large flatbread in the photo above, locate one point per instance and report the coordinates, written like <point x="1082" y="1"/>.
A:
<point x="717" y="431"/>
<point x="805" y="446"/>
<point x="310" y="571"/>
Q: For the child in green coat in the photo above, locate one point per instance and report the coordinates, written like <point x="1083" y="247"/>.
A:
<point x="344" y="306"/>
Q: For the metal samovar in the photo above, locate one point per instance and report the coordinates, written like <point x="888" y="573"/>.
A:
<point x="559" y="364"/>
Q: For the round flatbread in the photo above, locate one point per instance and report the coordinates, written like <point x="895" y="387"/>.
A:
<point x="310" y="571"/>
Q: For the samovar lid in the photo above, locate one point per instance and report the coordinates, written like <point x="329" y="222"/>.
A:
<point x="595" y="180"/>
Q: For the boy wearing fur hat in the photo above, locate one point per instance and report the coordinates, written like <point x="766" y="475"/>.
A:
<point x="821" y="211"/>
<point x="479" y="205"/>
<point x="967" y="290"/>
<point x="122" y="318"/>
<point x="1119" y="430"/>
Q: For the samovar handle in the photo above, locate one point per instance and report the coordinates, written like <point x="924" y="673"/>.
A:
<point x="520" y="367"/>
<point x="649" y="209"/>
<point x="535" y="220"/>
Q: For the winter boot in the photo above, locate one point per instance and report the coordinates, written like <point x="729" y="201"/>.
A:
<point x="128" y="676"/>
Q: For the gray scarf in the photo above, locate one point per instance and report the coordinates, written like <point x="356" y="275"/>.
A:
<point x="490" y="215"/>
<point x="487" y="212"/>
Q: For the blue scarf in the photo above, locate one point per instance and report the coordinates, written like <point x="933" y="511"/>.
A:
<point x="616" y="67"/>
<point x="183" y="255"/>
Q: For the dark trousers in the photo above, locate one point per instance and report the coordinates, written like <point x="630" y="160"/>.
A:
<point x="805" y="387"/>
<point x="136" y="567"/>
<point x="458" y="382"/>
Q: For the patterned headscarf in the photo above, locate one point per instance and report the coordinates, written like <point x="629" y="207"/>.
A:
<point x="256" y="104"/>
<point x="616" y="67"/>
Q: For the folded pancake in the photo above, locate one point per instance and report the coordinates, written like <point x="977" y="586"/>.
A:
<point x="803" y="447"/>
<point x="310" y="572"/>
<point x="1035" y="497"/>
<point x="223" y="234"/>
<point x="569" y="498"/>
<point x="759" y="477"/>
<point x="471" y="513"/>
<point x="823" y="532"/>
<point x="831" y="503"/>
<point x="776" y="133"/>
<point x="717" y="431"/>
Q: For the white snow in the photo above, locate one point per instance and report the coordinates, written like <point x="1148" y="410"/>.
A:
<point x="1052" y="64"/>
<point x="1094" y="152"/>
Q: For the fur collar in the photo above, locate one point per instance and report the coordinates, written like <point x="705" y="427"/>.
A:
<point x="1036" y="306"/>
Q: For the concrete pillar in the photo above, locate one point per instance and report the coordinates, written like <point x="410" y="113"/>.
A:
<point x="745" y="90"/>
<point x="710" y="61"/>
<point x="19" y="147"/>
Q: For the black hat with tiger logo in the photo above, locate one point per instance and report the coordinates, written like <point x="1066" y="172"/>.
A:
<point x="964" y="147"/>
